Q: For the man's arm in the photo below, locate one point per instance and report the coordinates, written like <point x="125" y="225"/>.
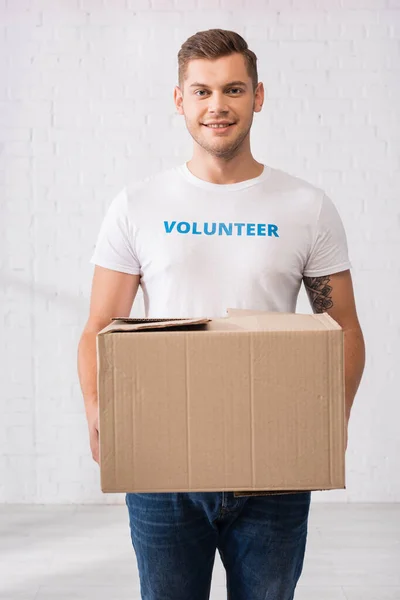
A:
<point x="113" y="294"/>
<point x="334" y="295"/>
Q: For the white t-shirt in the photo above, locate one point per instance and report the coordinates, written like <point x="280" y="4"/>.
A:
<point x="202" y="247"/>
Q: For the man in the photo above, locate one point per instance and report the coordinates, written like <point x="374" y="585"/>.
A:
<point x="221" y="231"/>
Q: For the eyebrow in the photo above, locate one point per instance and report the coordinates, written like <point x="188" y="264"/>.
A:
<point x="242" y="83"/>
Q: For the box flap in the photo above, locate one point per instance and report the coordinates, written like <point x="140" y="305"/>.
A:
<point x="274" y="321"/>
<point x="128" y="324"/>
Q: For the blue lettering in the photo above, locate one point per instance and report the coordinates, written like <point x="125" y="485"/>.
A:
<point x="183" y="227"/>
<point x="169" y="226"/>
<point x="239" y="227"/>
<point x="222" y="227"/>
<point x="251" y="229"/>
<point x="213" y="230"/>
<point x="261" y="229"/>
<point x="273" y="230"/>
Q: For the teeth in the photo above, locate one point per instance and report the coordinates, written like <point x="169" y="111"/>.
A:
<point x="219" y="126"/>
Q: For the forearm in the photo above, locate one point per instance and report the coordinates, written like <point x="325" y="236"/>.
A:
<point x="87" y="367"/>
<point x="354" y="361"/>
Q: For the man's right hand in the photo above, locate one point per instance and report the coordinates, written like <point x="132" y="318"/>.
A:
<point x="113" y="294"/>
<point x="92" y="415"/>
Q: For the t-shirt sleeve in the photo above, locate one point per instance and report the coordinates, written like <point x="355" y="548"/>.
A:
<point x="329" y="251"/>
<point x="115" y="243"/>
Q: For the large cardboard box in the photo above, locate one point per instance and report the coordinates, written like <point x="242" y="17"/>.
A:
<point x="250" y="403"/>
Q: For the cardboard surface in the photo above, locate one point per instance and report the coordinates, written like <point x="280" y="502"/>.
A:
<point x="252" y="403"/>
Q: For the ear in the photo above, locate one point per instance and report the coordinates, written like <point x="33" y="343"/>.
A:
<point x="259" y="97"/>
<point x="178" y="99"/>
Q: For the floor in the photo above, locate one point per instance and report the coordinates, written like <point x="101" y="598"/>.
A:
<point x="84" y="553"/>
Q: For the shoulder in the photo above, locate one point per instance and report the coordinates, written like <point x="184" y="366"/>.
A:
<point x="137" y="193"/>
<point x="286" y="183"/>
<point x="301" y="194"/>
<point x="151" y="184"/>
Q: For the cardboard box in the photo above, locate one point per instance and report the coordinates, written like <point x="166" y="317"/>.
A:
<point x="251" y="403"/>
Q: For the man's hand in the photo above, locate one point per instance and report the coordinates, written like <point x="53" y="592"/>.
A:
<point x="347" y="429"/>
<point x="334" y="295"/>
<point x="92" y="415"/>
<point x="113" y="294"/>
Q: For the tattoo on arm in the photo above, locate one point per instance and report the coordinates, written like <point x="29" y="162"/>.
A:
<point x="319" y="293"/>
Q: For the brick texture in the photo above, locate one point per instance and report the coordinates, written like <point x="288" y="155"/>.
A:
<point x="86" y="103"/>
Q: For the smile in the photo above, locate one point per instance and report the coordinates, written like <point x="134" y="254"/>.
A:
<point x="220" y="128"/>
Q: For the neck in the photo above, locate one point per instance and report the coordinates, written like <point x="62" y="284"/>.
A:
<point x="221" y="171"/>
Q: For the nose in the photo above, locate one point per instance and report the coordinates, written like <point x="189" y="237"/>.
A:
<point x="218" y="104"/>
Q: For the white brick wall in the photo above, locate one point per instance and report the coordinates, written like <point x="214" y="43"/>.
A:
<point x="86" y="103"/>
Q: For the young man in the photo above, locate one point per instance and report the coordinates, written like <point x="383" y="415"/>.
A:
<point x="222" y="230"/>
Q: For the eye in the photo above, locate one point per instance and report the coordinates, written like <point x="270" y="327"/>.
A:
<point x="200" y="92"/>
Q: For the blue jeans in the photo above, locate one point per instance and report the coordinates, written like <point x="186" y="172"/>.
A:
<point x="261" y="541"/>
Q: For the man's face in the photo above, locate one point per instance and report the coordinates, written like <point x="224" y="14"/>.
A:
<point x="219" y="91"/>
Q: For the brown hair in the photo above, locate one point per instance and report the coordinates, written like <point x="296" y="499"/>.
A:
<point x="212" y="44"/>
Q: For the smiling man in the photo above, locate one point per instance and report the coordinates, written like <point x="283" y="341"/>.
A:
<point x="219" y="231"/>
